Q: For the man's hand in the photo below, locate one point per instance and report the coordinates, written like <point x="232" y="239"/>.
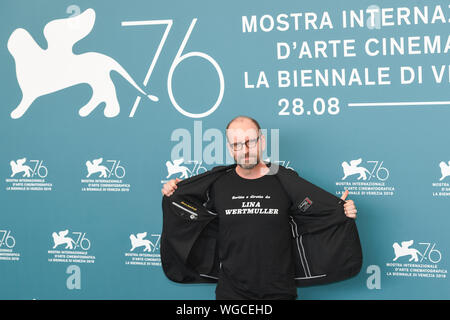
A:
<point x="349" y="206"/>
<point x="170" y="187"/>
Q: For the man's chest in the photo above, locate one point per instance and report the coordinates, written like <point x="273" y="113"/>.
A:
<point x="251" y="204"/>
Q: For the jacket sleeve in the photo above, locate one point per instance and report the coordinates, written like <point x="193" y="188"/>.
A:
<point x="316" y="209"/>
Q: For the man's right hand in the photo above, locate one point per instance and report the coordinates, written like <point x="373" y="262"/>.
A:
<point x="170" y="187"/>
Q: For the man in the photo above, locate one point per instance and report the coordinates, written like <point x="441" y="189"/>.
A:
<point x="254" y="233"/>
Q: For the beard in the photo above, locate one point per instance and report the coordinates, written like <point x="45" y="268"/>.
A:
<point x="250" y="163"/>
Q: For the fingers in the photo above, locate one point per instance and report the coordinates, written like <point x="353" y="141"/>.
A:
<point x="352" y="216"/>
<point x="350" y="209"/>
<point x="345" y="194"/>
<point x="167" y="190"/>
<point x="170" y="187"/>
<point x="349" y="206"/>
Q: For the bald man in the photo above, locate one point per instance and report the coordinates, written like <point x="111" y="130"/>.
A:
<point x="254" y="233"/>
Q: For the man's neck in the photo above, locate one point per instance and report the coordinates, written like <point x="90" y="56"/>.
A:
<point x="254" y="173"/>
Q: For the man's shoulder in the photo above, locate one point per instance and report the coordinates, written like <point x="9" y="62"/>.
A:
<point x="225" y="170"/>
<point x="276" y="168"/>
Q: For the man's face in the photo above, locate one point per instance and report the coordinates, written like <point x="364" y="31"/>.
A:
<point x="247" y="155"/>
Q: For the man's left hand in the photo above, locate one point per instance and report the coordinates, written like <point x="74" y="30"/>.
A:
<point x="349" y="206"/>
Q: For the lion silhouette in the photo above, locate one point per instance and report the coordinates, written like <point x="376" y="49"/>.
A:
<point x="352" y="168"/>
<point x="176" y="167"/>
<point x="139" y="241"/>
<point x="405" y="250"/>
<point x="44" y="71"/>
<point x="60" y="238"/>
<point x="18" y="166"/>
<point x="445" y="169"/>
<point x="94" y="166"/>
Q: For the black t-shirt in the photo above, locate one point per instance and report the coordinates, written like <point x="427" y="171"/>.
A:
<point x="254" y="238"/>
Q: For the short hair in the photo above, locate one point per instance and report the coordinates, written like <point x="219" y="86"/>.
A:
<point x="243" y="117"/>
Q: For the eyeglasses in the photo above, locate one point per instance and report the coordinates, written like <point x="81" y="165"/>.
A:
<point x="249" y="143"/>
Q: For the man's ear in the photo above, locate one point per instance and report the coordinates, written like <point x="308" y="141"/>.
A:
<point x="230" y="150"/>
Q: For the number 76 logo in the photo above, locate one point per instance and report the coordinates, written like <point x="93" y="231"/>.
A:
<point x="180" y="57"/>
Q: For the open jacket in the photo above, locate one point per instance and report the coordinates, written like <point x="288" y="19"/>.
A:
<point x="325" y="242"/>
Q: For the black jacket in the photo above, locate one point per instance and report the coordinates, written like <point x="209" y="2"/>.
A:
<point x="325" y="242"/>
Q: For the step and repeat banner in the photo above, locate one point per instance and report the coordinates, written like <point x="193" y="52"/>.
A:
<point x="102" y="102"/>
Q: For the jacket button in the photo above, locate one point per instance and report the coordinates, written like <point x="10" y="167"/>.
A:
<point x="192" y="217"/>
